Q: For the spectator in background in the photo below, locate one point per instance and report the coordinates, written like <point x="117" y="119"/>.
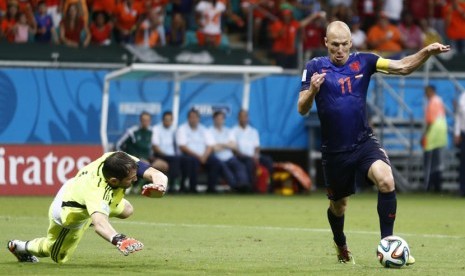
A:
<point x="420" y="9"/>
<point x="153" y="13"/>
<point x="233" y="20"/>
<point x="313" y="34"/>
<point x="384" y="36"/>
<point x="454" y="17"/>
<point x="45" y="26"/>
<point x="262" y="12"/>
<point x="81" y="6"/>
<point x="185" y="8"/>
<point x="147" y="32"/>
<point x="411" y="34"/>
<point x="196" y="144"/>
<point x="9" y="21"/>
<point x="71" y="27"/>
<point x="176" y="33"/>
<point x="27" y="7"/>
<point x="341" y="12"/>
<point x="437" y="17"/>
<point x="232" y="170"/>
<point x="3" y="8"/>
<point x="22" y="29"/>
<point x="459" y="139"/>
<point x="100" y="29"/>
<point x="283" y="33"/>
<point x="359" y="38"/>
<point x="308" y="7"/>
<point x="54" y="10"/>
<point x="106" y="6"/>
<point x="336" y="5"/>
<point x="164" y="147"/>
<point x="429" y="34"/>
<point x="434" y="139"/>
<point x="393" y="10"/>
<point x="137" y="141"/>
<point x="160" y="7"/>
<point x="208" y="15"/>
<point x="248" y="147"/>
<point x="125" y="16"/>
<point x="367" y="10"/>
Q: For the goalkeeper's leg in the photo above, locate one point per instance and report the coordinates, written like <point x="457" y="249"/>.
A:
<point x="59" y="244"/>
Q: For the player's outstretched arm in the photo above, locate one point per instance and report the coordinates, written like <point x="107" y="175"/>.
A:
<point x="124" y="244"/>
<point x="158" y="183"/>
<point x="410" y="63"/>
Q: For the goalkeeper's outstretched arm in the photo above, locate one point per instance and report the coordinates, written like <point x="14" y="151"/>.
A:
<point x="158" y="180"/>
<point x="156" y="177"/>
<point x="124" y="244"/>
<point x="102" y="226"/>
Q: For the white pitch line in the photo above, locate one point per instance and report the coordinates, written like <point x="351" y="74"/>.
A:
<point x="277" y="228"/>
<point x="258" y="228"/>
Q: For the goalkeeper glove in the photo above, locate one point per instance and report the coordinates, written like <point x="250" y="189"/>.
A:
<point x="126" y="245"/>
<point x="153" y="190"/>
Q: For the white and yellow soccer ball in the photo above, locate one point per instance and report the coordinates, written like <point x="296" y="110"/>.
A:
<point x="393" y="252"/>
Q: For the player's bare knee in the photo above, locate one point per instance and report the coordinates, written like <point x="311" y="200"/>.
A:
<point x="338" y="208"/>
<point x="127" y="212"/>
<point x="386" y="184"/>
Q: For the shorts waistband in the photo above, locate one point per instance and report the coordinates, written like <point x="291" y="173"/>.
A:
<point x="72" y="204"/>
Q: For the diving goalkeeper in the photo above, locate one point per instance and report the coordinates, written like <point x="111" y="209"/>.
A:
<point x="91" y="197"/>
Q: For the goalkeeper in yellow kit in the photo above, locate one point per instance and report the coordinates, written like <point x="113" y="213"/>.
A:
<point x="91" y="197"/>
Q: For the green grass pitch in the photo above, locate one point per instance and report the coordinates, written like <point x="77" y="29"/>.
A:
<point x="247" y="235"/>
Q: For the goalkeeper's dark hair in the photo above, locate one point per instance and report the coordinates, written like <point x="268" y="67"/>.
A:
<point x="118" y="165"/>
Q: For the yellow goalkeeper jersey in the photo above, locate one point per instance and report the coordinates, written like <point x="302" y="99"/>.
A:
<point x="87" y="193"/>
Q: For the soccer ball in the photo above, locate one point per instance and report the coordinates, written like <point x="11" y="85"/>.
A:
<point x="393" y="251"/>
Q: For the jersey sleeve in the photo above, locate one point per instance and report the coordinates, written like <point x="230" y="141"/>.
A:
<point x="370" y="61"/>
<point x="310" y="69"/>
<point x="98" y="200"/>
<point x="141" y="168"/>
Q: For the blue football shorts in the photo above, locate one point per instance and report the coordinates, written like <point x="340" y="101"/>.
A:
<point x="340" y="168"/>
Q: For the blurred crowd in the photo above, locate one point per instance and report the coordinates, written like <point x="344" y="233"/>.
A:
<point x="392" y="27"/>
<point x="280" y="27"/>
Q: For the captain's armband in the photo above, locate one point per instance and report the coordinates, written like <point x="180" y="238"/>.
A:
<point x="382" y="65"/>
<point x="141" y="168"/>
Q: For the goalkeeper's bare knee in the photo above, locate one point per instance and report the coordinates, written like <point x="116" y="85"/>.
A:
<point x="127" y="212"/>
